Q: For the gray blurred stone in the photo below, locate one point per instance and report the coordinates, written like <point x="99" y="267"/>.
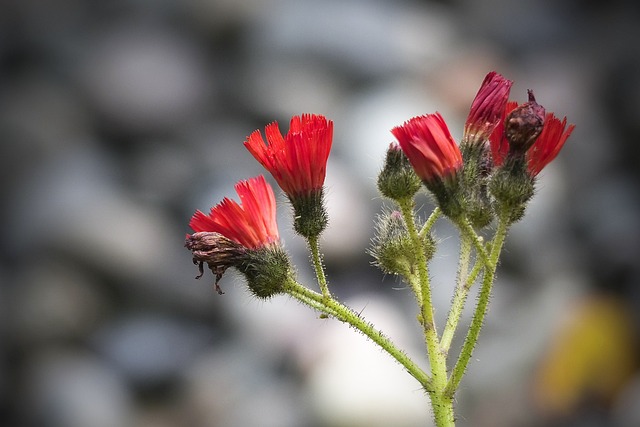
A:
<point x="68" y="388"/>
<point x="626" y="411"/>
<point x="370" y="39"/>
<point x="151" y="349"/>
<point x="75" y="205"/>
<point x="233" y="386"/>
<point x="53" y="301"/>
<point x="368" y="118"/>
<point x="353" y="383"/>
<point x="163" y="173"/>
<point x="147" y="78"/>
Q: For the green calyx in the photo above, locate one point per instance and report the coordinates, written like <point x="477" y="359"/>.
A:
<point x="474" y="180"/>
<point x="267" y="270"/>
<point x="512" y="187"/>
<point x="309" y="214"/>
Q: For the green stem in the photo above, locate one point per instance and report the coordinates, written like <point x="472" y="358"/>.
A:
<point x="317" y="263"/>
<point x="442" y="404"/>
<point x="467" y="230"/>
<point x="460" y="294"/>
<point x="481" y="307"/>
<point x="428" y="225"/>
<point x="343" y="313"/>
<point x="414" y="282"/>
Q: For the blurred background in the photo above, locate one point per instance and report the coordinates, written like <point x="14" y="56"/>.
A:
<point x="118" y="119"/>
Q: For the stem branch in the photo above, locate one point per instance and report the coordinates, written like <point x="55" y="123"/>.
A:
<point x="343" y="313"/>
<point x="481" y="307"/>
<point x="317" y="263"/>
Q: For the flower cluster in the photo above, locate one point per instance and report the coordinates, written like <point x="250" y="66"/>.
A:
<point x="246" y="235"/>
<point x="486" y="179"/>
<point x="503" y="148"/>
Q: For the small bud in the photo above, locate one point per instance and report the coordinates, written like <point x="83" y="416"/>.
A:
<point x="398" y="180"/>
<point x="523" y="125"/>
<point x="392" y="247"/>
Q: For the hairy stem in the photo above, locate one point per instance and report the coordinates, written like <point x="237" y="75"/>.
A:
<point x="317" y="264"/>
<point x="460" y="294"/>
<point x="334" y="308"/>
<point x="442" y="404"/>
<point x="481" y="307"/>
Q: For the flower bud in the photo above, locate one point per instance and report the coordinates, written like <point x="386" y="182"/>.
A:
<point x="398" y="180"/>
<point x="392" y="247"/>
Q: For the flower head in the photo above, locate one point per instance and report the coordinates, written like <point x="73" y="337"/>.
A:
<point x="431" y="149"/>
<point x="298" y="160"/>
<point x="487" y="108"/>
<point x="498" y="141"/>
<point x="252" y="223"/>
<point x="545" y="147"/>
<point x="242" y="235"/>
<point x="551" y="140"/>
<point x="435" y="157"/>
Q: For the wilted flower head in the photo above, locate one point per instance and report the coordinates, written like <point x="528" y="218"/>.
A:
<point x="542" y="151"/>
<point x="237" y="235"/>
<point x="523" y="125"/>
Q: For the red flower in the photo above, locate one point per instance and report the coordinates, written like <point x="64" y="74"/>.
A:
<point x="549" y="143"/>
<point x="252" y="223"/>
<point x="431" y="149"/>
<point x="297" y="161"/>
<point x="487" y="108"/>
<point x="546" y="147"/>
<point x="498" y="140"/>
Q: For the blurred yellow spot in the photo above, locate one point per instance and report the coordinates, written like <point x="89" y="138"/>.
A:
<point x="593" y="355"/>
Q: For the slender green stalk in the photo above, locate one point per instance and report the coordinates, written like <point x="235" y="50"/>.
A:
<point x="478" y="266"/>
<point x="343" y="313"/>
<point x="442" y="404"/>
<point x="428" y="225"/>
<point x="481" y="307"/>
<point x="467" y="230"/>
<point x="460" y="294"/>
<point x="414" y="282"/>
<point x="317" y="263"/>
